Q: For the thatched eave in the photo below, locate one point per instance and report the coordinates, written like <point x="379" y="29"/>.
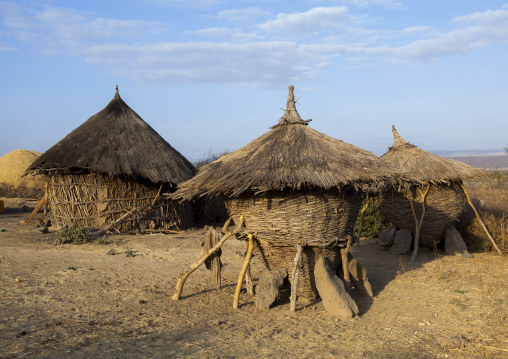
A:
<point x="291" y="156"/>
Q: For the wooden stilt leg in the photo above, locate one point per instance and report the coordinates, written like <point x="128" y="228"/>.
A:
<point x="193" y="267"/>
<point x="246" y="264"/>
<point x="248" y="278"/>
<point x="295" y="277"/>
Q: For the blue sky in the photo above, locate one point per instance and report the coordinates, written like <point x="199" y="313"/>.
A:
<point x="213" y="74"/>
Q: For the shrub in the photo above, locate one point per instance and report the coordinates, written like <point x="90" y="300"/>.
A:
<point x="492" y="206"/>
<point x="210" y="157"/>
<point x="373" y="220"/>
<point x="74" y="235"/>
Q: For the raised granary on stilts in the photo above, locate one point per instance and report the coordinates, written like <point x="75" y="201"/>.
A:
<point x="292" y="186"/>
<point x="433" y="196"/>
<point x="115" y="168"/>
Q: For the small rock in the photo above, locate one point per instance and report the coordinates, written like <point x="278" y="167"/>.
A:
<point x="267" y="289"/>
<point x="358" y="276"/>
<point x="142" y="301"/>
<point x="21" y="334"/>
<point x="454" y="244"/>
<point x="401" y="242"/>
<point x="129" y="253"/>
<point x="111" y="252"/>
<point x="17" y="280"/>
<point x="452" y="342"/>
<point x="385" y="237"/>
<point x="332" y="291"/>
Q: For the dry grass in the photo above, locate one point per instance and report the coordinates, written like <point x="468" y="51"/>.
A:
<point x="491" y="202"/>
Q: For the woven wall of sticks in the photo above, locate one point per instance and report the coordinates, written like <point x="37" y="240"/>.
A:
<point x="95" y="200"/>
<point x="444" y="205"/>
<point x="313" y="218"/>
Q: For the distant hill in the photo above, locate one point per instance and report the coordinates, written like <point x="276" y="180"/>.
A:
<point x="484" y="161"/>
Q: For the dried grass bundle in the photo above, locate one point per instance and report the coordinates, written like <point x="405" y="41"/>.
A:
<point x="14" y="164"/>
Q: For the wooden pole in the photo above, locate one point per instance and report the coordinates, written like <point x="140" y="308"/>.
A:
<point x="37" y="208"/>
<point x="295" y="277"/>
<point x="360" y="226"/>
<point x="241" y="276"/>
<point x="248" y="277"/>
<point x="131" y="212"/>
<point x="481" y="222"/>
<point x="193" y="267"/>
<point x="419" y="224"/>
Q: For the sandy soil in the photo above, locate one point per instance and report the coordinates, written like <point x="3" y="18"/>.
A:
<point x="75" y="301"/>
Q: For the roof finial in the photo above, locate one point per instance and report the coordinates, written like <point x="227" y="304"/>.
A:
<point x="291" y="114"/>
<point x="397" y="139"/>
<point x="116" y="88"/>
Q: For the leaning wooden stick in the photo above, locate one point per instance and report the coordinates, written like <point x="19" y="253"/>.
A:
<point x="37" y="208"/>
<point x="360" y="225"/>
<point x="131" y="212"/>
<point x="481" y="222"/>
<point x="193" y="267"/>
<point x="295" y="277"/>
<point x="245" y="266"/>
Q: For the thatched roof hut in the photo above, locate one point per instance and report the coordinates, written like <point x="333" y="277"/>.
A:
<point x="433" y="186"/>
<point x="114" y="163"/>
<point x="293" y="186"/>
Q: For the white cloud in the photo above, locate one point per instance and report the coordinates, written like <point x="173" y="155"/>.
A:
<point x="415" y="30"/>
<point x="238" y="15"/>
<point x="185" y="3"/>
<point x="391" y="4"/>
<point x="62" y="29"/>
<point x="234" y="55"/>
<point x="8" y="49"/>
<point x="487" y="18"/>
<point x="236" y="34"/>
<point x="319" y="19"/>
<point x="255" y="63"/>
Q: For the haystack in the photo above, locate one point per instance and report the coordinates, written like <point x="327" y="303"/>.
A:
<point x="292" y="186"/>
<point x="115" y="165"/>
<point x="14" y="164"/>
<point x="433" y="198"/>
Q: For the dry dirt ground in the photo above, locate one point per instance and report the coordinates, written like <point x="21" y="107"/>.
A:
<point x="75" y="301"/>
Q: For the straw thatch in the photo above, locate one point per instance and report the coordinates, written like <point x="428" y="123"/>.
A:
<point x="422" y="167"/>
<point x="293" y="185"/>
<point x="14" y="164"/>
<point x="118" y="143"/>
<point x="111" y="164"/>
<point x="444" y="201"/>
<point x="291" y="156"/>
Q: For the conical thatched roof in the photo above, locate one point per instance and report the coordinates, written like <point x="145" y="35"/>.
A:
<point x="289" y="156"/>
<point x="116" y="142"/>
<point x="422" y="167"/>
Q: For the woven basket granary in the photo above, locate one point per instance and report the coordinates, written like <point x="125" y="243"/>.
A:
<point x="443" y="206"/>
<point x="445" y="199"/>
<point x="317" y="220"/>
<point x="293" y="185"/>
